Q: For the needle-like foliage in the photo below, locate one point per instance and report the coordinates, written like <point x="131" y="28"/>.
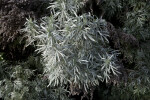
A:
<point x="94" y="49"/>
<point x="74" y="47"/>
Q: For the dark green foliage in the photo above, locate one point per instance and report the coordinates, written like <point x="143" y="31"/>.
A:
<point x="25" y="81"/>
<point x="134" y="15"/>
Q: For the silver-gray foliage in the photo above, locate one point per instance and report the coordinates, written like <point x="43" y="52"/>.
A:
<point x="74" y="47"/>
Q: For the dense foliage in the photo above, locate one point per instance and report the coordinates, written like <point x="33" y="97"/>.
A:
<point x="75" y="49"/>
